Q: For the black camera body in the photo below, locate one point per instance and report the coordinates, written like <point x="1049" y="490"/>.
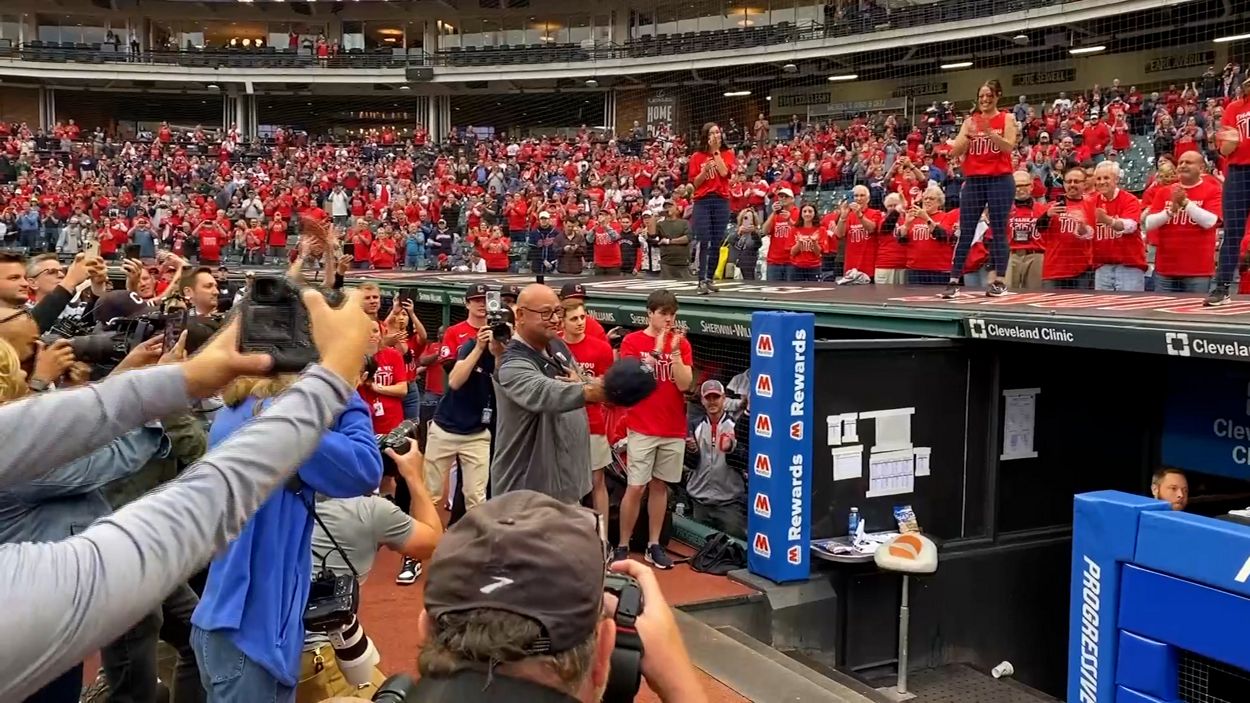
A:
<point x="499" y="319"/>
<point x="399" y="439"/>
<point x="274" y="321"/>
<point x="625" y="675"/>
<point x="332" y="602"/>
<point x="107" y="349"/>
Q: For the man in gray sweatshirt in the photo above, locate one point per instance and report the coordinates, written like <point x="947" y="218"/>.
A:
<point x="66" y="599"/>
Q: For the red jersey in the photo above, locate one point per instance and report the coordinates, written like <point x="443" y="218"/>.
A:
<point x="434" y="375"/>
<point x="1069" y="253"/>
<point x="715" y="184"/>
<point x="382" y="254"/>
<point x="607" y="247"/>
<point x="808" y="241"/>
<point x="210" y="243"/>
<point x="594" y="358"/>
<point x="861" y="249"/>
<point x="663" y="413"/>
<point x="925" y="252"/>
<point x="1237" y="116"/>
<point x="455" y="337"/>
<point x="983" y="157"/>
<point x="1184" y="247"/>
<point x="387" y="410"/>
<point x="891" y="253"/>
<point x="780" y="240"/>
<point x="1110" y="246"/>
<point x="1023" y="227"/>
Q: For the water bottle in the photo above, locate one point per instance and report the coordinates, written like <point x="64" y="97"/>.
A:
<point x="852" y="523"/>
<point x="680" y="509"/>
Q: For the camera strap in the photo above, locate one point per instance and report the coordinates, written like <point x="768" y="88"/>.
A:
<point x="297" y="486"/>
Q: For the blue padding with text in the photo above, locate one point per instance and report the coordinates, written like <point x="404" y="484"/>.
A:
<point x="1191" y="616"/>
<point x="1202" y="549"/>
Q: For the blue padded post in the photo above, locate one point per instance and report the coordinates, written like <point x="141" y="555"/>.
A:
<point x="1147" y="666"/>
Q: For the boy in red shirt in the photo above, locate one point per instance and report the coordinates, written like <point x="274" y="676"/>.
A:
<point x="594" y="357"/>
<point x="657" y="425"/>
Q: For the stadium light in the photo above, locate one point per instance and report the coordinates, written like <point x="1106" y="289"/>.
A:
<point x="844" y="77"/>
<point x="959" y="64"/>
<point x="1078" y="50"/>
<point x="737" y="93"/>
<point x="1235" y="37"/>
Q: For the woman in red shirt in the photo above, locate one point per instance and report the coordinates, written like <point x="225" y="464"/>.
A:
<point x="383" y="252"/>
<point x="494" y="249"/>
<point x="986" y="140"/>
<point x="805" y="253"/>
<point x="926" y="232"/>
<point x="709" y="171"/>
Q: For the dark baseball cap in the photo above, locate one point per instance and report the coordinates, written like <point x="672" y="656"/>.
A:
<point x="572" y="290"/>
<point x="510" y="290"/>
<point x="524" y="553"/>
<point x="477" y="290"/>
<point x="119" y="304"/>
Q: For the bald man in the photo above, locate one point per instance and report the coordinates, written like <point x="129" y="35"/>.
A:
<point x="542" y="436"/>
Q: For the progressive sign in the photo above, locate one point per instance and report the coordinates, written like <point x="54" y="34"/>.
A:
<point x="780" y="483"/>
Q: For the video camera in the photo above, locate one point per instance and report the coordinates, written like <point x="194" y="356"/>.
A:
<point x="498" y="318"/>
<point x="399" y="439"/>
<point x="274" y="321"/>
<point x="106" y="349"/>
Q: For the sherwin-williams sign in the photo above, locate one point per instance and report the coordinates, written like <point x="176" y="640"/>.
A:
<point x="780" y="482"/>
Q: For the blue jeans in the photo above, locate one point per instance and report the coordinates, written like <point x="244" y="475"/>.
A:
<point x="978" y="193"/>
<point x="1084" y="281"/>
<point x="802" y="274"/>
<point x="927" y="278"/>
<point x="228" y="676"/>
<point x="708" y="223"/>
<point x="414" y="262"/>
<point x="412" y="402"/>
<point x="1182" y="284"/>
<point x="976" y="279"/>
<point x="778" y="272"/>
<point x="1236" y="210"/>
<point x="1120" y="278"/>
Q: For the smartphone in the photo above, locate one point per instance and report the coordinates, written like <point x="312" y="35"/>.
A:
<point x="175" y="323"/>
<point x="93" y="249"/>
<point x="132" y="251"/>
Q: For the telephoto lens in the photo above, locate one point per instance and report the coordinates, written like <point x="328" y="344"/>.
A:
<point x="356" y="654"/>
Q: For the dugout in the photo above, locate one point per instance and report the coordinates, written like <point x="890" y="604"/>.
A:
<point x="1112" y="387"/>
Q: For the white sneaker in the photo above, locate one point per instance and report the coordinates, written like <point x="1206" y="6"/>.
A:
<point x="409" y="572"/>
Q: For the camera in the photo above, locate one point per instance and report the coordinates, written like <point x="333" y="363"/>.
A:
<point x="107" y="349"/>
<point x="625" y="675"/>
<point x="332" y="602"/>
<point x="399" y="439"/>
<point x="355" y="652"/>
<point x="498" y="318"/>
<point x="396" y="689"/>
<point x="274" y="321"/>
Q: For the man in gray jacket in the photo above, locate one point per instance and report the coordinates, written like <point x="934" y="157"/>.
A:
<point x="542" y="436"/>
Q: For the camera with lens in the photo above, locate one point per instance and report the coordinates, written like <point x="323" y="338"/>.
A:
<point x="625" y="674"/>
<point x="106" y="349"/>
<point x="498" y="318"/>
<point x="274" y="321"/>
<point x="399" y="439"/>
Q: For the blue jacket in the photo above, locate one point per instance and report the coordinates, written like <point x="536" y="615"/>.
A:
<point x="258" y="587"/>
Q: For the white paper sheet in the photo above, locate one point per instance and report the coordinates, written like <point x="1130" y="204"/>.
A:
<point x="922" y="461"/>
<point x="848" y="463"/>
<point x="891" y="473"/>
<point x="1019" y="415"/>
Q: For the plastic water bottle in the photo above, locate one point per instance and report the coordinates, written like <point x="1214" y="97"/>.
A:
<point x="680" y="509"/>
<point x="852" y="523"/>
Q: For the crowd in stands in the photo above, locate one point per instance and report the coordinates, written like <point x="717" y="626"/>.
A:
<point x="591" y="201"/>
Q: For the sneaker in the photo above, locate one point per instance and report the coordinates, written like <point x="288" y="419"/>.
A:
<point x="657" y="557"/>
<point x="409" y="572"/>
<point x="1217" y="297"/>
<point x="618" y="554"/>
<point x="711" y="286"/>
<point x="951" y="292"/>
<point x="703" y="288"/>
<point x="997" y="289"/>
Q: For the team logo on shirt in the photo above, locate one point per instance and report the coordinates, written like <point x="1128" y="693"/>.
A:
<point x="763" y="507"/>
<point x="763" y="466"/>
<point x="764" y="346"/>
<point x="763" y="426"/>
<point x="764" y="386"/>
<point x="760" y="545"/>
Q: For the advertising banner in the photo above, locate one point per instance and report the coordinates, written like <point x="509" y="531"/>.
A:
<point x="780" y="483"/>
<point x="661" y="109"/>
<point x="1206" y="419"/>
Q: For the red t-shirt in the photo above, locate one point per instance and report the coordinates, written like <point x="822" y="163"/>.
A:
<point x="861" y="249"/>
<point x="1068" y="252"/>
<point x="1023" y="227"/>
<point x="1184" y="248"/>
<point x="387" y="411"/>
<point x="382" y="254"/>
<point x="210" y="243"/>
<point x="781" y="238"/>
<point x="1112" y="247"/>
<point x="983" y="157"/>
<point x="594" y="356"/>
<point x="715" y="184"/>
<point x="808" y="256"/>
<point x="924" y="251"/>
<point x="456" y="336"/>
<point x="663" y="413"/>
<point x="434" y="375"/>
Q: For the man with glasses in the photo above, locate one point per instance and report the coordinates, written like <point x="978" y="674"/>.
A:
<point x="1069" y="238"/>
<point x="45" y="274"/>
<point x="59" y="287"/>
<point x="542" y="439"/>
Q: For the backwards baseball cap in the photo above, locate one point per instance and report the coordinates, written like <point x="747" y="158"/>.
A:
<point x="475" y="291"/>
<point x="505" y="555"/>
<point x="711" y="388"/>
<point x="119" y="304"/>
<point x="572" y="290"/>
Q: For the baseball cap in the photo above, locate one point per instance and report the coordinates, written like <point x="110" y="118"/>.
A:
<point x="477" y="290"/>
<point x="510" y="290"/>
<point x="711" y="388"/>
<point x="572" y="290"/>
<point x="786" y="192"/>
<point x="118" y="304"/>
<point x="544" y="215"/>
<point x="524" y="553"/>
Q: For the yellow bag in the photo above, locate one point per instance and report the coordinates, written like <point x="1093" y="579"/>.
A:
<point x="721" y="262"/>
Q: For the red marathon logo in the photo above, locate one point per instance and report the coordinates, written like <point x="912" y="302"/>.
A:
<point x="760" y="546"/>
<point x="764" y="346"/>
<point x="763" y="466"/>
<point x="796" y="430"/>
<point x="763" y="426"/>
<point x="764" y="386"/>
<point x="763" y="508"/>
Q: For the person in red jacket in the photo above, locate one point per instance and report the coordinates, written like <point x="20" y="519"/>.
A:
<point x="858" y="226"/>
<point x="1184" y="220"/>
<point x="594" y="357"/>
<point x="1119" y="247"/>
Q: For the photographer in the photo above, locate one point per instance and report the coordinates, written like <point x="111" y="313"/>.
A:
<point x="359" y="526"/>
<point x="66" y="599"/>
<point x="543" y="435"/>
<point x="546" y="633"/>
<point x="15" y="288"/>
<point x="46" y="275"/>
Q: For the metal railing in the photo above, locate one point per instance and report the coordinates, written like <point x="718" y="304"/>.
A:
<point x="846" y="25"/>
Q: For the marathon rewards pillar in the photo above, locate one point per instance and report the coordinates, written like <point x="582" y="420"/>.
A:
<point x="780" y="483"/>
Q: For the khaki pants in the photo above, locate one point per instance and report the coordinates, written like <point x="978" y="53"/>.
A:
<point x="442" y="448"/>
<point x="1024" y="270"/>
<point x="320" y="678"/>
<point x="890" y="277"/>
<point x="675" y="273"/>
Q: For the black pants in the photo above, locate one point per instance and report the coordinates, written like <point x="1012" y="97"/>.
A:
<point x="995" y="193"/>
<point x="65" y="688"/>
